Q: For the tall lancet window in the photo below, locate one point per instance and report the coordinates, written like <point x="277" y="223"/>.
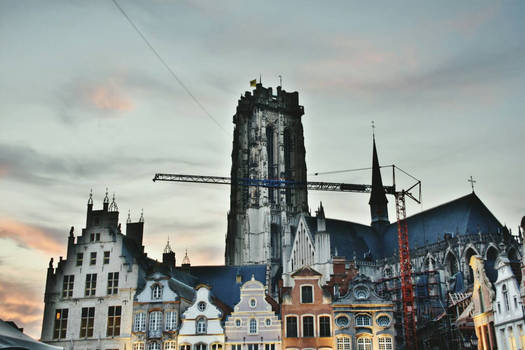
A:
<point x="271" y="165"/>
<point x="288" y="164"/>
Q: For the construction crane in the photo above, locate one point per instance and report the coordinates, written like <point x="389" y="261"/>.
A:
<point x="407" y="288"/>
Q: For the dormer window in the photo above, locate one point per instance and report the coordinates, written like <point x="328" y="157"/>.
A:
<point x="156" y="292"/>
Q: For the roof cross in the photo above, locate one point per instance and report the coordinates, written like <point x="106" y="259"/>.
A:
<point x="472" y="182"/>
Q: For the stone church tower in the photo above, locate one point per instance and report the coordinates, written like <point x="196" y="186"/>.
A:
<point x="268" y="144"/>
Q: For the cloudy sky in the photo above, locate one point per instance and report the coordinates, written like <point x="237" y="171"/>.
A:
<point x="85" y="104"/>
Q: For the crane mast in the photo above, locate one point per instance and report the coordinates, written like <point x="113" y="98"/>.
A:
<point x="407" y="288"/>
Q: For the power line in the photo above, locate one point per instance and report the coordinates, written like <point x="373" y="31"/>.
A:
<point x="346" y="170"/>
<point x="168" y="67"/>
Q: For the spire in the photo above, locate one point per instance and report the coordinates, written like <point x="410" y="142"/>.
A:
<point x="321" y="222"/>
<point x="167" y="248"/>
<point x="105" y="204"/>
<point x="90" y="200"/>
<point x="129" y="217"/>
<point x="378" y="201"/>
<point x="186" y="260"/>
<point x="113" y="206"/>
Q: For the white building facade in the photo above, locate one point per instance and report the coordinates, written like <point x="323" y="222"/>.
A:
<point x="89" y="295"/>
<point x="253" y="325"/>
<point x="508" y="311"/>
<point x="201" y="327"/>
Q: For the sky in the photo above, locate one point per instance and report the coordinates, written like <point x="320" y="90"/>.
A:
<point x="85" y="104"/>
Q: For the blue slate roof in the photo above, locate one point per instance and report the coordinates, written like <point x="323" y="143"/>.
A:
<point x="465" y="215"/>
<point x="223" y="279"/>
<point x="462" y="216"/>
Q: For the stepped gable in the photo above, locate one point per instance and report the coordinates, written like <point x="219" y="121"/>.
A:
<point x="349" y="238"/>
<point x="462" y="216"/>
<point x="225" y="282"/>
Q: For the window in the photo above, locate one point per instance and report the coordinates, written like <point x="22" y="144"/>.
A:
<point x="385" y="343"/>
<point x="364" y="344"/>
<point x="363" y="320"/>
<point x="236" y="347"/>
<point x="106" y="258"/>
<point x="60" y="323"/>
<point x="154" y="345"/>
<point x="253" y="303"/>
<point x="268" y="322"/>
<point x="93" y="258"/>
<point x="201" y="306"/>
<point x="92" y="237"/>
<point x="253" y="326"/>
<point x="515" y="303"/>
<point x="67" y="286"/>
<point x="216" y="347"/>
<point x="499" y="307"/>
<point x="324" y="326"/>
<point x="114" y="313"/>
<point x="306" y="294"/>
<point x="80" y="258"/>
<point x="253" y="346"/>
<point x="156" y="292"/>
<point x="342" y="321"/>
<point x="238" y="323"/>
<point x="170" y="345"/>
<point x="91" y="284"/>
<point x="140" y="322"/>
<point x="308" y="326"/>
<point x="201" y="326"/>
<point x="171" y="321"/>
<point x="481" y="303"/>
<point x="343" y="343"/>
<point x="506" y="297"/>
<point x="87" y="321"/>
<point x="155" y="320"/>
<point x="291" y="327"/>
<point x="199" y="346"/>
<point x="138" y="346"/>
<point x="112" y="283"/>
<point x="383" y="321"/>
<point x="185" y="347"/>
<point x="97" y="237"/>
<point x="269" y="346"/>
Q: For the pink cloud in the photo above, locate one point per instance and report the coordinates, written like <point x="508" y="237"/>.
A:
<point x="30" y="236"/>
<point x="108" y="96"/>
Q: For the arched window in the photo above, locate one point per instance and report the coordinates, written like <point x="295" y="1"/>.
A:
<point x="156" y="292"/>
<point x="199" y="346"/>
<point x="451" y="264"/>
<point x="470" y="252"/>
<point x="506" y="297"/>
<point x="363" y="320"/>
<point x="343" y="343"/>
<point x="201" y="326"/>
<point x="385" y="343"/>
<point x="492" y="255"/>
<point x="364" y="344"/>
<point x="216" y="346"/>
<point x="253" y="326"/>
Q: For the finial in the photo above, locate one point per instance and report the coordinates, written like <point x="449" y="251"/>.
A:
<point x="186" y="260"/>
<point x="280" y="80"/>
<point x="167" y="249"/>
<point x="141" y="215"/>
<point x="113" y="206"/>
<point x="106" y="198"/>
<point x="472" y="182"/>
<point x="90" y="200"/>
<point x="72" y="231"/>
<point x="51" y="263"/>
<point x="128" y="221"/>
<point x="373" y="130"/>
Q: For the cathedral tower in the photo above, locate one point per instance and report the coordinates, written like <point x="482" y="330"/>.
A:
<point x="268" y="144"/>
<point x="378" y="201"/>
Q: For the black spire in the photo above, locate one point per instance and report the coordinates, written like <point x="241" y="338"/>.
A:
<point x="378" y="201"/>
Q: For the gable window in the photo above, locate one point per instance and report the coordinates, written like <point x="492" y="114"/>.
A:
<point x="253" y="302"/>
<point x="201" y="326"/>
<point x="253" y="326"/>
<point x="364" y="344"/>
<point x="106" y="257"/>
<point x="112" y="283"/>
<point x="60" y="324"/>
<point x="93" y="258"/>
<point x="343" y="343"/>
<point x="201" y="306"/>
<point x="307" y="294"/>
<point x="363" y="320"/>
<point x="506" y="297"/>
<point x="156" y="292"/>
<point x="308" y="326"/>
<point x="87" y="322"/>
<point x="154" y="345"/>
<point x="138" y="346"/>
<point x="324" y="326"/>
<point x="67" y="287"/>
<point x="91" y="284"/>
<point x="80" y="258"/>
<point x="237" y="322"/>
<point x="171" y="321"/>
<point x="268" y="322"/>
<point x="199" y="346"/>
<point x="385" y="343"/>
<point x="140" y="322"/>
<point x="291" y="326"/>
<point x="114" y="313"/>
